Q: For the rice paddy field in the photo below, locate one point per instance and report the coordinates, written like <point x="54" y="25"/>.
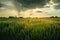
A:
<point x="30" y="29"/>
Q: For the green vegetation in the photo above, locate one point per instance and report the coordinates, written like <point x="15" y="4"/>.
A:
<point x="30" y="29"/>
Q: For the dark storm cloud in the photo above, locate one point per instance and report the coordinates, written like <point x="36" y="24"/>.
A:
<point x="32" y="3"/>
<point x="58" y="4"/>
<point x="1" y="5"/>
<point x="57" y="1"/>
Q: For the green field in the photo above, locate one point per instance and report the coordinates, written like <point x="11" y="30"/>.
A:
<point x="30" y="29"/>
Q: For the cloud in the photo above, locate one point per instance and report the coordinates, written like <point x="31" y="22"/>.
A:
<point x="8" y="4"/>
<point x="7" y="8"/>
<point x="57" y="6"/>
<point x="12" y="7"/>
<point x="57" y="1"/>
<point x="1" y="5"/>
<point x="32" y="3"/>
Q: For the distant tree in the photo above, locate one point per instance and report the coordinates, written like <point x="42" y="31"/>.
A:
<point x="20" y="17"/>
<point x="52" y="17"/>
<point x="3" y="17"/>
<point x="56" y="17"/>
<point x="11" y="17"/>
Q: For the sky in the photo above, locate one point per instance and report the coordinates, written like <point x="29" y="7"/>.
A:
<point x="29" y="8"/>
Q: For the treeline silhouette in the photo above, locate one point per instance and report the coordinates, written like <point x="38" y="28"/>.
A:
<point x="28" y="17"/>
<point x="54" y="17"/>
<point x="11" y="17"/>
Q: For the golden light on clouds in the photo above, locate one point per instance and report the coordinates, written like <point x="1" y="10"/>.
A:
<point x="10" y="10"/>
<point x="33" y="13"/>
<point x="39" y="12"/>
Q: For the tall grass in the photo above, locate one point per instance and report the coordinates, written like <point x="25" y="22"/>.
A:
<point x="30" y="29"/>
